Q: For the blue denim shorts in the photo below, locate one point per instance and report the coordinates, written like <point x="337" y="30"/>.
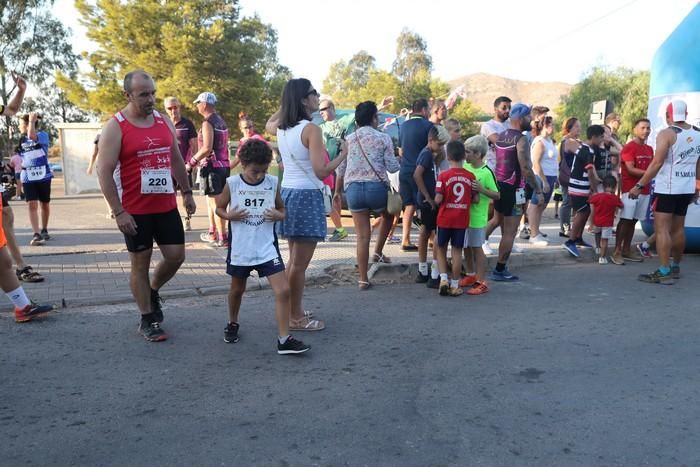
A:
<point x="366" y="196"/>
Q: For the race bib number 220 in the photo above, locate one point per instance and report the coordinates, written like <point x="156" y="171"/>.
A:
<point x="156" y="181"/>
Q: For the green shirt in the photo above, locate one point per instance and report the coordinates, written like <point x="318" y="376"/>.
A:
<point x="333" y="130"/>
<point x="479" y="212"/>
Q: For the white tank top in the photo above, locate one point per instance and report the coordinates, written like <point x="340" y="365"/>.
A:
<point x="549" y="164"/>
<point x="253" y="240"/>
<point x="298" y="172"/>
<point x="677" y="175"/>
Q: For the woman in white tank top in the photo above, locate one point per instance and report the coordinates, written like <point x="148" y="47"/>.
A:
<point x="301" y="147"/>
<point x="544" y="156"/>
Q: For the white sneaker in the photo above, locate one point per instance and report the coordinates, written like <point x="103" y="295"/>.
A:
<point x="487" y="248"/>
<point x="602" y="260"/>
<point x="517" y="248"/>
<point x="538" y="240"/>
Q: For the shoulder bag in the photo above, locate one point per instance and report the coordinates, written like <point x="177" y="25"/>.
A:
<point x="324" y="189"/>
<point x="393" y="199"/>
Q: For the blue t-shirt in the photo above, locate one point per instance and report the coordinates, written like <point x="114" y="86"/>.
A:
<point x="427" y="161"/>
<point x="414" y="137"/>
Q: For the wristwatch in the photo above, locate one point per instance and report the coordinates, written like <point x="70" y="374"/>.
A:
<point x="637" y="185"/>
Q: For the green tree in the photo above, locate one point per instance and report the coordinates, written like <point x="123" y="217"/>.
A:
<point x="348" y="77"/>
<point x="33" y="43"/>
<point x="188" y="46"/>
<point x="627" y="89"/>
<point x="412" y="57"/>
<point x="467" y="113"/>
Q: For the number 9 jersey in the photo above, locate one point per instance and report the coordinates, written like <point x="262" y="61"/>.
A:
<point x="144" y="175"/>
<point x="455" y="186"/>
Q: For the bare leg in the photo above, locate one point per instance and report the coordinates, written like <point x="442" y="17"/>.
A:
<point x="663" y="222"/>
<point x="300" y="255"/>
<point x="138" y="280"/>
<point x="173" y="257"/>
<point x="510" y="229"/>
<point x="219" y="222"/>
<point x="469" y="265"/>
<point x="386" y="224"/>
<point x="45" y="212"/>
<point x="408" y="213"/>
<point x="335" y="218"/>
<point x="235" y="295"/>
<point x="480" y="263"/>
<point x="423" y="237"/>
<point x="442" y="259"/>
<point x="8" y="221"/>
<point x="34" y="215"/>
<point x="534" y="216"/>
<point x="677" y="238"/>
<point x="280" y="287"/>
<point x="456" y="263"/>
<point x="8" y="279"/>
<point x="361" y="221"/>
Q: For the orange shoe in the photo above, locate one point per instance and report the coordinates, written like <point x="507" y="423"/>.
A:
<point x="467" y="281"/>
<point x="478" y="289"/>
<point x="31" y="312"/>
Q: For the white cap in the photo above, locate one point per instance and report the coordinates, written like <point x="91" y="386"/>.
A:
<point x="207" y="97"/>
<point x="677" y="111"/>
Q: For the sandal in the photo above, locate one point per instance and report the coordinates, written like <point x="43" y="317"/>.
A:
<point x="478" y="288"/>
<point x="364" y="285"/>
<point x="29" y="275"/>
<point x="306" y="324"/>
<point x="308" y="314"/>
<point x="380" y="258"/>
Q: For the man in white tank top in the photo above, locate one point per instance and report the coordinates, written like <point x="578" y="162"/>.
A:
<point x="675" y="172"/>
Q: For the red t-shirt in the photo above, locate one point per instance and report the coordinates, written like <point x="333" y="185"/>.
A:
<point x="641" y="155"/>
<point x="455" y="185"/>
<point x="605" y="205"/>
<point x="144" y="174"/>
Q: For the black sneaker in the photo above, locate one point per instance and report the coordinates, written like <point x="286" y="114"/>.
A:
<point x="152" y="331"/>
<point x="433" y="283"/>
<point x="657" y="277"/>
<point x="422" y="278"/>
<point x="525" y="233"/>
<point x="36" y="240"/>
<point x="32" y="311"/>
<point x="45" y="235"/>
<point x="291" y="346"/>
<point x="231" y="333"/>
<point x="156" y="306"/>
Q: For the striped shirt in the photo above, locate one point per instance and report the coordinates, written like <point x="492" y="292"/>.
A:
<point x="579" y="184"/>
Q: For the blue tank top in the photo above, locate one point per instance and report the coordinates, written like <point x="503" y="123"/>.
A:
<point x="35" y="161"/>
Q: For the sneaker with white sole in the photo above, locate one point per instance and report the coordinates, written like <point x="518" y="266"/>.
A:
<point x="517" y="248"/>
<point x="602" y="260"/>
<point x="291" y="346"/>
<point x="538" y="241"/>
<point x="486" y="248"/>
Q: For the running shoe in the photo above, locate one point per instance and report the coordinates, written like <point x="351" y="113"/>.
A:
<point x="291" y="346"/>
<point x="478" y="289"/>
<point x="503" y="276"/>
<point x="525" y="232"/>
<point x="657" y="277"/>
<point x="156" y="306"/>
<point x="581" y="242"/>
<point x="410" y="247"/>
<point x="31" y="311"/>
<point x="36" y="240"/>
<point x="468" y="281"/>
<point x="676" y="272"/>
<point x="433" y="283"/>
<point x="517" y="248"/>
<point x="617" y="258"/>
<point x="394" y="240"/>
<point x="538" y="241"/>
<point x="456" y="291"/>
<point x="422" y="278"/>
<point x="644" y="252"/>
<point x="487" y="248"/>
<point x="209" y="237"/>
<point x="152" y="332"/>
<point x="45" y="234"/>
<point x="444" y="288"/>
<point x="338" y="235"/>
<point x="602" y="260"/>
<point x="231" y="333"/>
<point x="632" y="256"/>
<point x="570" y="246"/>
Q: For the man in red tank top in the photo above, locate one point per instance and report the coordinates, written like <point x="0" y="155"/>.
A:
<point x="138" y="159"/>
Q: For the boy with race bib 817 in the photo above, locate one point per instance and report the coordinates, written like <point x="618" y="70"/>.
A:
<point x="252" y="203"/>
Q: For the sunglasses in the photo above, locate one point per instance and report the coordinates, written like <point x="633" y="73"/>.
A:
<point x="313" y="92"/>
<point x="246" y="128"/>
<point x="323" y="109"/>
<point x="171" y="108"/>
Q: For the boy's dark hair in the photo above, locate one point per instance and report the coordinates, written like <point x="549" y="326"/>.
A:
<point x="609" y="182"/>
<point x="255" y="151"/>
<point x="500" y="100"/>
<point x="455" y="151"/>
<point x="419" y="105"/>
<point x="595" y="130"/>
<point x="433" y="133"/>
<point x="640" y="120"/>
<point x="365" y="112"/>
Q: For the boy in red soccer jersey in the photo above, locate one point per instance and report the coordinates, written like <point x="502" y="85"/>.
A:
<point x="454" y="195"/>
<point x="603" y="208"/>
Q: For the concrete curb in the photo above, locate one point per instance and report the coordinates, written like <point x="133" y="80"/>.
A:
<point x="338" y="274"/>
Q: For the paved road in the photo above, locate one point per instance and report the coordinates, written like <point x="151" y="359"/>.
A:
<point x="573" y="366"/>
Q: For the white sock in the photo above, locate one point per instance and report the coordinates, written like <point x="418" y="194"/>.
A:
<point x="645" y="245"/>
<point x="423" y="268"/>
<point x="434" y="270"/>
<point x="443" y="276"/>
<point x="454" y="283"/>
<point x="471" y="274"/>
<point x="282" y="340"/>
<point x="18" y="297"/>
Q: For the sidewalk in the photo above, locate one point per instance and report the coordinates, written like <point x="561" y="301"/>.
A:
<point x="86" y="262"/>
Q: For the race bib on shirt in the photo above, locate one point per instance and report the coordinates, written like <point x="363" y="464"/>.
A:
<point x="256" y="202"/>
<point x="519" y="196"/>
<point x="156" y="181"/>
<point x="35" y="174"/>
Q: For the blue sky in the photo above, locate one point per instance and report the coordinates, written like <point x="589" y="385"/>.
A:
<point x="532" y="41"/>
